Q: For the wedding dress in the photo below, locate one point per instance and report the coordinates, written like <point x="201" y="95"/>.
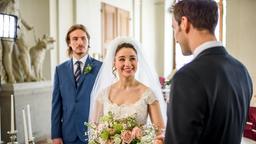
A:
<point x="144" y="75"/>
<point x="139" y="108"/>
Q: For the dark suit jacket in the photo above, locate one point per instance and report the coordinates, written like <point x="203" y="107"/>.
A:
<point x="209" y="100"/>
<point x="70" y="105"/>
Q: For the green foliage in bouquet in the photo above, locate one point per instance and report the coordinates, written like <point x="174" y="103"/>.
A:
<point x="117" y="131"/>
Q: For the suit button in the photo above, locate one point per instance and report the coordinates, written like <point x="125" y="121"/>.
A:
<point x="76" y="101"/>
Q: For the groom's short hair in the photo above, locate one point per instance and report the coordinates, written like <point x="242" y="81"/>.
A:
<point x="202" y="14"/>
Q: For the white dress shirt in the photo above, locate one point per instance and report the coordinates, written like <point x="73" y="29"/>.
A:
<point x="204" y="46"/>
<point x="83" y="60"/>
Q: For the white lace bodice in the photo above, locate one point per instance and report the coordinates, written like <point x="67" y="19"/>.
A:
<point x="140" y="107"/>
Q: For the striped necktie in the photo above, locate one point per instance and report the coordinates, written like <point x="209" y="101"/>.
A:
<point x="78" y="71"/>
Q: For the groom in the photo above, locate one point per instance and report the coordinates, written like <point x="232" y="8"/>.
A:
<point x="209" y="96"/>
<point x="73" y="82"/>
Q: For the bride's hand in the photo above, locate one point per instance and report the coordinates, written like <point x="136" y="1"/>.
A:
<point x="159" y="139"/>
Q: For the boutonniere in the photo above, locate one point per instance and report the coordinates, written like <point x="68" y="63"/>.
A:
<point x="88" y="69"/>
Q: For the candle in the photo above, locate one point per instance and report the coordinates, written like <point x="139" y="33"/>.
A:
<point x="29" y="124"/>
<point x="25" y="126"/>
<point x="12" y="115"/>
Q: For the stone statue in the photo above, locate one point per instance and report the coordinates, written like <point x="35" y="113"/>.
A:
<point x="19" y="46"/>
<point x="15" y="55"/>
<point x="37" y="55"/>
<point x="23" y="51"/>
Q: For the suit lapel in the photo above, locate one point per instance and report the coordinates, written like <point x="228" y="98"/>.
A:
<point x="70" y="73"/>
<point x="83" y="76"/>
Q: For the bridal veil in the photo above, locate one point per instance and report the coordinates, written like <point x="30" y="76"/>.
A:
<point x="144" y="74"/>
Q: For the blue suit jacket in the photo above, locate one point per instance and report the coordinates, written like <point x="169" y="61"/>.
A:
<point x="71" y="104"/>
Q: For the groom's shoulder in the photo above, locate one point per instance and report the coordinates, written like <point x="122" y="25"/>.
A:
<point x="64" y="64"/>
<point x="97" y="63"/>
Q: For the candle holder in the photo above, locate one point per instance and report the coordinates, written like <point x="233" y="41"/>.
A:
<point x="13" y="137"/>
<point x="31" y="140"/>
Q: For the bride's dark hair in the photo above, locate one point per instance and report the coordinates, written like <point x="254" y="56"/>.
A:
<point x="125" y="45"/>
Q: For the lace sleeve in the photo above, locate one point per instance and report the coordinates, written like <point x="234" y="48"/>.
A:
<point x="151" y="97"/>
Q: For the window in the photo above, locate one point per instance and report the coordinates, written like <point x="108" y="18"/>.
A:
<point x="8" y="25"/>
<point x="115" y="22"/>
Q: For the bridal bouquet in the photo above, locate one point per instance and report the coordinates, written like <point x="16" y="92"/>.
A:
<point x="117" y="131"/>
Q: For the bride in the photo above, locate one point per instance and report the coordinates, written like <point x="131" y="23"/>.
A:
<point x="126" y="85"/>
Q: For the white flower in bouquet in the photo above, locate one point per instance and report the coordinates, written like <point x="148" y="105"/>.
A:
<point x="117" y="131"/>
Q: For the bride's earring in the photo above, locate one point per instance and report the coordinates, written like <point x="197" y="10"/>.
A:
<point x="114" y="70"/>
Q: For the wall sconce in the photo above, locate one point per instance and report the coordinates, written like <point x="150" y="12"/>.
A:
<point x="8" y="26"/>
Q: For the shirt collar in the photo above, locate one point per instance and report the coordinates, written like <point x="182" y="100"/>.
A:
<point x="206" y="45"/>
<point x="83" y="59"/>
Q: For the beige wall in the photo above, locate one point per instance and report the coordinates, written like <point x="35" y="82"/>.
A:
<point x="54" y="17"/>
<point x="148" y="28"/>
<point x="150" y="33"/>
<point x="241" y="34"/>
<point x="159" y="6"/>
<point x="168" y="40"/>
<point x="88" y="12"/>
